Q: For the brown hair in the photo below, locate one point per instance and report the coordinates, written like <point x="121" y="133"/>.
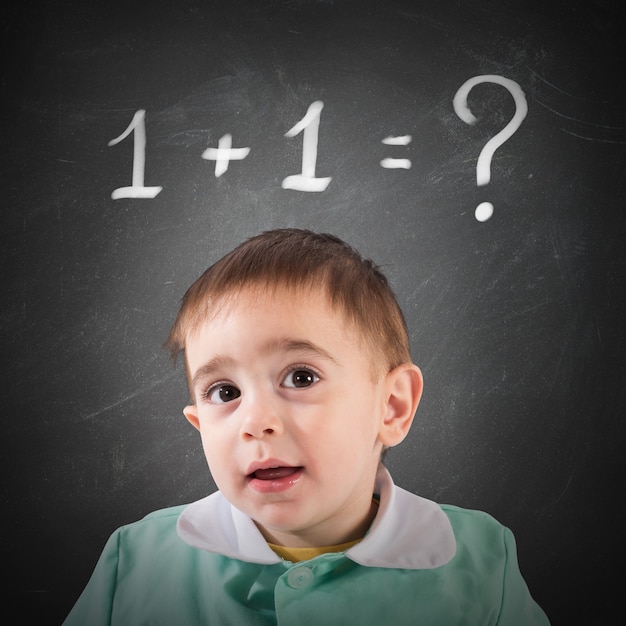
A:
<point x="301" y="259"/>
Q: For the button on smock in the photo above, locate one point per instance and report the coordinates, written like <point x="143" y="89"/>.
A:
<point x="299" y="577"/>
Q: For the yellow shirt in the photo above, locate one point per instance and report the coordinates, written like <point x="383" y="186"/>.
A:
<point x="295" y="555"/>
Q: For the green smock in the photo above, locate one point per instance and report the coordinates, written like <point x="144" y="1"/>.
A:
<point x="207" y="564"/>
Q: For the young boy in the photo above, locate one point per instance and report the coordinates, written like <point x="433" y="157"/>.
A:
<point x="297" y="358"/>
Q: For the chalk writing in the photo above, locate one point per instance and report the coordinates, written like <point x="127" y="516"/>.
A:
<point x="402" y="140"/>
<point x="310" y="124"/>
<point x="224" y="153"/>
<point x="483" y="166"/>
<point x="137" y="189"/>
<point x="309" y="127"/>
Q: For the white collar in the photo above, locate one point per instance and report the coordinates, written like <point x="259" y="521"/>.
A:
<point x="409" y="532"/>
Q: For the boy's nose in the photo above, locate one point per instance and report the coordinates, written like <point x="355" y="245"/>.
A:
<point x="261" y="420"/>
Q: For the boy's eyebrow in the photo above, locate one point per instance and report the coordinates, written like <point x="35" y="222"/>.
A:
<point x="209" y="368"/>
<point x="274" y="345"/>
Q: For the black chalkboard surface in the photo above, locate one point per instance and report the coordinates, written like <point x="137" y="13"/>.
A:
<point x="517" y="321"/>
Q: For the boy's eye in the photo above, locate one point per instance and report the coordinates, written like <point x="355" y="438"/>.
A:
<point x="300" y="378"/>
<point x="223" y="393"/>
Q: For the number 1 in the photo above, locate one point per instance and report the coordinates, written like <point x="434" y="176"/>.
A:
<point x="310" y="123"/>
<point x="137" y="189"/>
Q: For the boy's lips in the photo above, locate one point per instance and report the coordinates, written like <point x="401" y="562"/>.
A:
<point x="273" y="476"/>
<point x="273" y="473"/>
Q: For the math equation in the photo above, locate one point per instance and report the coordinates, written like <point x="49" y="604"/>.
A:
<point x="308" y="126"/>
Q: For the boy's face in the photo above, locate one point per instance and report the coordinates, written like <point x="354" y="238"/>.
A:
<point x="292" y="422"/>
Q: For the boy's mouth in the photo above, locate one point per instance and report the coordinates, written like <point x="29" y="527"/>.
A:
<point x="274" y="473"/>
<point x="273" y="477"/>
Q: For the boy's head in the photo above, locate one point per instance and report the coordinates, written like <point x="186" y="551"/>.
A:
<point x="298" y="365"/>
<point x="302" y="261"/>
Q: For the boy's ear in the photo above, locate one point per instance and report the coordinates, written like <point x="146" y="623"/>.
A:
<point x="403" y="389"/>
<point x="191" y="413"/>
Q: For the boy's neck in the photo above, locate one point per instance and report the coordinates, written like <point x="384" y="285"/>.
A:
<point x="321" y="539"/>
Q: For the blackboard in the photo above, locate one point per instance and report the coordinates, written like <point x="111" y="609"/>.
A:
<point x="517" y="321"/>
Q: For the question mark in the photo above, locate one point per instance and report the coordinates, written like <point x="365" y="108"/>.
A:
<point x="483" y="167"/>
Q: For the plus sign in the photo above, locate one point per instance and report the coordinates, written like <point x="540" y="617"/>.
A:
<point x="224" y="153"/>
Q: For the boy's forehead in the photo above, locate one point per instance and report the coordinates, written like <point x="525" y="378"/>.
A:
<point x="293" y="306"/>
<point x="288" y="313"/>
